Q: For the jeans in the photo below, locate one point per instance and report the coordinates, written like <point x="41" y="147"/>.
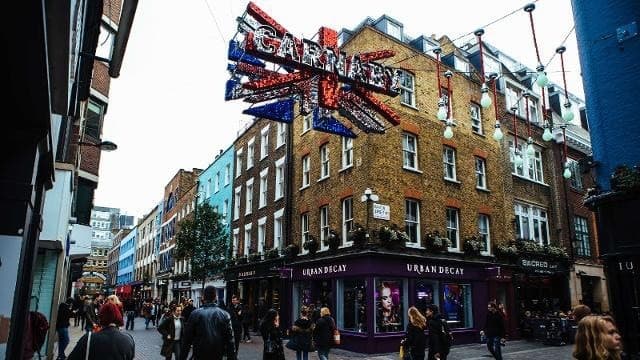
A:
<point x="302" y="355"/>
<point x="323" y="354"/>
<point x="63" y="341"/>
<point x="146" y="322"/>
<point x="494" y="346"/>
<point x="245" y="332"/>
<point x="175" y="349"/>
<point x="131" y="315"/>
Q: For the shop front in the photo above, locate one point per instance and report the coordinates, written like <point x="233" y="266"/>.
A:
<point x="181" y="289"/>
<point x="369" y="294"/>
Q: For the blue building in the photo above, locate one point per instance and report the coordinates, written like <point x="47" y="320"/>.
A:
<point x="126" y="261"/>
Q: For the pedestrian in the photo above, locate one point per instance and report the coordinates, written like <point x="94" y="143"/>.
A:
<point x="65" y="313"/>
<point x="91" y="314"/>
<point x="247" y="318"/>
<point x="188" y="309"/>
<point x="437" y="346"/>
<point x="107" y="344"/>
<point x="116" y="301"/>
<point x="209" y="331"/>
<point x="147" y="309"/>
<point x="323" y="333"/>
<point x="301" y="335"/>
<point x="236" y="319"/>
<point x="597" y="339"/>
<point x="416" y="340"/>
<point x="77" y="305"/>
<point x="270" y="331"/>
<point x="130" y="312"/>
<point x="580" y="311"/>
<point x="172" y="330"/>
<point x="494" y="330"/>
<point x="157" y="311"/>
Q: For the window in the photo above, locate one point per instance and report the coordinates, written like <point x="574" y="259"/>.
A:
<point x="324" y="226"/>
<point x="347" y="218"/>
<point x="249" y="197"/>
<point x="409" y="151"/>
<point x="389" y="316"/>
<point x="207" y="188"/>
<point x="277" y="229"/>
<point x="412" y="220"/>
<point x="247" y="239"/>
<point x="449" y="159"/>
<point x="227" y="174"/>
<point x="305" y="171"/>
<point x="306" y="123"/>
<point x="105" y="41"/>
<point x="531" y="223"/>
<point x="352" y="305"/>
<point x="576" y="175"/>
<point x="216" y="182"/>
<point x="581" y="242"/>
<point x="250" y="153"/>
<point x="461" y="65"/>
<point x="481" y="173"/>
<point x="457" y="305"/>
<point x="347" y="152"/>
<point x="93" y="119"/>
<point x="531" y="167"/>
<point x="262" y="230"/>
<point x="453" y="232"/>
<point x="394" y="30"/>
<point x="279" y="179"/>
<point x="324" y="160"/>
<point x="236" y="236"/>
<point x="534" y="117"/>
<point x="483" y="231"/>
<point x="304" y="228"/>
<point x="513" y="94"/>
<point x="263" y="188"/>
<point x="407" y="91"/>
<point x="476" y="119"/>
<point x="264" y="142"/>
<point x="282" y="134"/>
<point x="225" y="208"/>
<point x="239" y="163"/>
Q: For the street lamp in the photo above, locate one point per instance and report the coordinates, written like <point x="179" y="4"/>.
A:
<point x="368" y="196"/>
<point x="102" y="145"/>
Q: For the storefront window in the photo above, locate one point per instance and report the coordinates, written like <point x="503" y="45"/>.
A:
<point x="457" y="305"/>
<point x="314" y="294"/>
<point x="389" y="305"/>
<point x="426" y="294"/>
<point x="352" y="305"/>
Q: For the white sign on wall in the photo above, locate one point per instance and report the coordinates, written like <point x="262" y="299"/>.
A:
<point x="381" y="211"/>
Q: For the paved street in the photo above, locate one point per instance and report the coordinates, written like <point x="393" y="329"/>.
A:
<point x="148" y="347"/>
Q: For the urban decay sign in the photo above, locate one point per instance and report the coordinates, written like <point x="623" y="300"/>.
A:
<point x="322" y="76"/>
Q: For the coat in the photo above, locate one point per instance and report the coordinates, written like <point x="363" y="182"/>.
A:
<point x="272" y="333"/>
<point x="494" y="325"/>
<point x="323" y="333"/>
<point x="209" y="331"/>
<point x="416" y="341"/>
<point x="302" y="332"/>
<point x="108" y="344"/>
<point x="436" y="345"/>
<point x="168" y="330"/>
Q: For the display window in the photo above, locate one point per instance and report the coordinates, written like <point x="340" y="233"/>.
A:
<point x="457" y="305"/>
<point x="390" y="305"/>
<point x="426" y="293"/>
<point x="314" y="294"/>
<point x="352" y="305"/>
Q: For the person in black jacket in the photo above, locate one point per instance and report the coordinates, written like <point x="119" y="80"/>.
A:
<point x="494" y="331"/>
<point x="301" y="332"/>
<point x="236" y="313"/>
<point x="323" y="333"/>
<point x="416" y="340"/>
<point x="172" y="330"/>
<point x="209" y="331"/>
<point x="270" y="331"/>
<point x="62" y="326"/>
<point x="437" y="347"/>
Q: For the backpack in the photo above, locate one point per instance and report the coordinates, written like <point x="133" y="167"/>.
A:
<point x="39" y="329"/>
<point x="446" y="336"/>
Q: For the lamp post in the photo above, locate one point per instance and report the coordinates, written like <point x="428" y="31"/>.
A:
<point x="102" y="145"/>
<point x="368" y="196"/>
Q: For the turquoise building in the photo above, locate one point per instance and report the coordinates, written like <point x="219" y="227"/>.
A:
<point x="127" y="258"/>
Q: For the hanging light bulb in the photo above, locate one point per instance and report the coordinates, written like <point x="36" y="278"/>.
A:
<point x="547" y="135"/>
<point x="530" y="150"/>
<point x="567" y="114"/>
<point x="485" y="100"/>
<point x="448" y="131"/>
<point x="567" y="172"/>
<point x="542" y="80"/>
<point x="497" y="133"/>
<point x="442" y="110"/>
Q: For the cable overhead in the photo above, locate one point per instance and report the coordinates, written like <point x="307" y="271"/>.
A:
<point x="215" y="21"/>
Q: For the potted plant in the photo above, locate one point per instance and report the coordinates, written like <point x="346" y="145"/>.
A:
<point x="272" y="253"/>
<point x="291" y="251"/>
<point x="392" y="236"/>
<point x="557" y="252"/>
<point x="311" y="245"/>
<point x="255" y="257"/>
<point x="436" y="243"/>
<point x="473" y="245"/>
<point x="333" y="240"/>
<point x="529" y="247"/>
<point x="358" y="235"/>
<point x="507" y="252"/>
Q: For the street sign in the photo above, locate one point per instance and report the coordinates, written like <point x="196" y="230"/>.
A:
<point x="381" y="211"/>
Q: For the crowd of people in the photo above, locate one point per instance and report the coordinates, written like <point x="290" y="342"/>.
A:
<point x="214" y="332"/>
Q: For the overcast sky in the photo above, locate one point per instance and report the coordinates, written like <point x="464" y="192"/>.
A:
<point x="167" y="109"/>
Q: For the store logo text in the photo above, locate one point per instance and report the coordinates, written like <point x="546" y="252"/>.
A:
<point x="434" y="269"/>
<point x="320" y="270"/>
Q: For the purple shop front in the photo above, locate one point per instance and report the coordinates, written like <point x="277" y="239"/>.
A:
<point x="369" y="294"/>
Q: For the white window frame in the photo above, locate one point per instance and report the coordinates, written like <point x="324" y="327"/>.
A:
<point x="225" y="206"/>
<point x="236" y="202"/>
<point x="227" y="174"/>
<point x="324" y="161"/>
<point x="304" y="230"/>
<point x="415" y="222"/>
<point x="449" y="163"/>
<point x="262" y="234"/>
<point x="534" y="219"/>
<point x="264" y="142"/>
<point x="278" y="229"/>
<point x="236" y="240"/>
<point x="347" y="220"/>
<point x="408" y="153"/>
<point x="249" y="197"/>
<point x="461" y="65"/>
<point x="280" y="179"/>
<point x="453" y="224"/>
<point x="475" y="113"/>
<point x="247" y="239"/>
<point x="264" y="188"/>
<point x="239" y="163"/>
<point x="208" y="188"/>
<point x="324" y="226"/>
<point x="306" y="171"/>
<point x="347" y="152"/>
<point x="575" y="181"/>
<point x="281" y="137"/>
<point x="481" y="172"/>
<point x="484" y="230"/>
<point x="251" y="151"/>
<point x="534" y="166"/>
<point x="216" y="183"/>
<point x="307" y="122"/>
<point x="407" y="85"/>
<point x="582" y="244"/>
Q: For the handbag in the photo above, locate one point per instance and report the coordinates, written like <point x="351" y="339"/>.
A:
<point x="269" y="346"/>
<point x="336" y="337"/>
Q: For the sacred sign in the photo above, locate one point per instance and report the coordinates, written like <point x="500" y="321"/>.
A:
<point x="322" y="77"/>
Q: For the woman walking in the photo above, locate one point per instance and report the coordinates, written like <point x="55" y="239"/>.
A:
<point x="323" y="333"/>
<point x="270" y="331"/>
<point x="416" y="340"/>
<point x="301" y="335"/>
<point x="172" y="330"/>
<point x="597" y="339"/>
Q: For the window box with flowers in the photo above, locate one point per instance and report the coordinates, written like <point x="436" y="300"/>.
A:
<point x="506" y="252"/>
<point x="272" y="254"/>
<point x="311" y="245"/>
<point x="473" y="245"/>
<point x="358" y="235"/>
<point x="557" y="252"/>
<point x="392" y="237"/>
<point x="333" y="240"/>
<point x="291" y="251"/>
<point x="436" y="243"/>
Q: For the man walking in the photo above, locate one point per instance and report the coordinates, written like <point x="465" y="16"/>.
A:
<point x="494" y="331"/>
<point x="209" y="331"/>
<point x="236" y="319"/>
<point x="62" y="326"/>
<point x="130" y="311"/>
<point x="438" y="347"/>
